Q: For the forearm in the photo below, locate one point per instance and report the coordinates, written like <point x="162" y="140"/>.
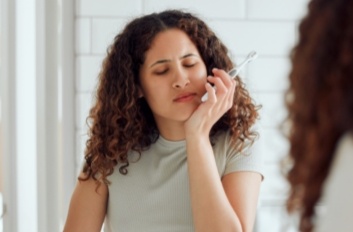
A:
<point x="210" y="206"/>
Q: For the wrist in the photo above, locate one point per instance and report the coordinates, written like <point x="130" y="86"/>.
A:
<point x="196" y="132"/>
<point x="199" y="138"/>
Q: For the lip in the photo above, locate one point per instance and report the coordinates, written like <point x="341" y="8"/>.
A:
<point x="184" y="97"/>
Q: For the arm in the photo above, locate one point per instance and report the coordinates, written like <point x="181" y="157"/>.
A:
<point x="87" y="207"/>
<point x="230" y="204"/>
<point x="227" y="205"/>
<point x="242" y="190"/>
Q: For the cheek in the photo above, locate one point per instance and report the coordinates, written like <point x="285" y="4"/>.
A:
<point x="200" y="75"/>
<point x="153" y="92"/>
<point x="146" y="86"/>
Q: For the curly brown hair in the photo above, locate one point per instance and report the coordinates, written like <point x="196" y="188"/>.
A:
<point x="121" y="120"/>
<point x="319" y="101"/>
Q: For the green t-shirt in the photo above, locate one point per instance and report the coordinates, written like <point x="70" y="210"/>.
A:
<point x="154" y="195"/>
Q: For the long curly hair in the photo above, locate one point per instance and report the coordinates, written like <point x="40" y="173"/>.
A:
<point x="319" y="101"/>
<point x="120" y="120"/>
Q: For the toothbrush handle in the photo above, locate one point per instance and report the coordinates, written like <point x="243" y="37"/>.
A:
<point x="233" y="73"/>
<point x="205" y="96"/>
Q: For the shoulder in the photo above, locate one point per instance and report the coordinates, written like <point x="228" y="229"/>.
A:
<point x="225" y="144"/>
<point x="345" y="146"/>
<point x="235" y="156"/>
<point x="341" y="166"/>
<point x="221" y="143"/>
<point x="343" y="159"/>
<point x="337" y="193"/>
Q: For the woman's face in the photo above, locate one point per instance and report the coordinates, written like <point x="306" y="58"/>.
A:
<point x="172" y="77"/>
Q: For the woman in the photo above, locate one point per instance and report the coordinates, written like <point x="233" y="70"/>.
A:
<point x="320" y="105"/>
<point x="159" y="159"/>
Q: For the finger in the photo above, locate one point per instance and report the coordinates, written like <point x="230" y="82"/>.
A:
<point x="228" y="100"/>
<point x="231" y="93"/>
<point x="218" y="83"/>
<point x="227" y="80"/>
<point x="211" y="93"/>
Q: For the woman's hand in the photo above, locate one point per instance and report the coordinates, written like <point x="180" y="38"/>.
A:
<point x="218" y="103"/>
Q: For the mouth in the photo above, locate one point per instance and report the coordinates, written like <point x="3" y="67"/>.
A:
<point x="184" y="97"/>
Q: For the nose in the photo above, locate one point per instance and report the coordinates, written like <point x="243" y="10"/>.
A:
<point x="181" y="80"/>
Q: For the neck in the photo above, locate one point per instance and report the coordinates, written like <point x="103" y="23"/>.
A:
<point x="172" y="131"/>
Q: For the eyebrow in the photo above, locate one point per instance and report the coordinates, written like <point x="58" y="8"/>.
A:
<point x="166" y="60"/>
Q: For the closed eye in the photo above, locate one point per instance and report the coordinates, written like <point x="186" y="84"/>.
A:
<point x="161" y="72"/>
<point x="190" y="65"/>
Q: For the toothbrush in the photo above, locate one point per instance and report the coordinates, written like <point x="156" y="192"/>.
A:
<point x="235" y="71"/>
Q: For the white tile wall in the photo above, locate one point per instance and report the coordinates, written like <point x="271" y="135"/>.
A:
<point x="275" y="187"/>
<point x="226" y="9"/>
<point x="274" y="219"/>
<point x="273" y="145"/>
<point x="83" y="105"/>
<point x="276" y="9"/>
<point x="267" y="38"/>
<point x="266" y="74"/>
<point x="269" y="27"/>
<point x="83" y="36"/>
<point x="87" y="70"/>
<point x="81" y="138"/>
<point x="108" y="8"/>
<point x="103" y="32"/>
<point x="272" y="112"/>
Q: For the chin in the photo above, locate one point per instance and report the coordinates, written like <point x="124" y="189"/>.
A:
<point x="185" y="115"/>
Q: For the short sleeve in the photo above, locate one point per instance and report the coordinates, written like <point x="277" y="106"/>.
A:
<point x="235" y="161"/>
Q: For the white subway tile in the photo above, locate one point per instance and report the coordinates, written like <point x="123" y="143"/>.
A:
<point x="104" y="32"/>
<point x="276" y="9"/>
<point x="274" y="218"/>
<point x="81" y="138"/>
<point x="84" y="103"/>
<point x="204" y="9"/>
<point x="271" y="145"/>
<point x="267" y="38"/>
<point x="108" y="8"/>
<point x="268" y="74"/>
<point x="275" y="186"/>
<point x="87" y="71"/>
<point x="78" y="171"/>
<point x="83" y="36"/>
<point x="273" y="111"/>
<point x="237" y="60"/>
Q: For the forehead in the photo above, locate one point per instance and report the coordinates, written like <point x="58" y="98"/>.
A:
<point x="169" y="43"/>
